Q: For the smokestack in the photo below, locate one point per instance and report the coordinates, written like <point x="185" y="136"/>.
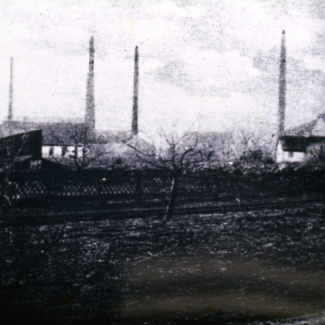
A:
<point x="282" y="86"/>
<point x="10" y="91"/>
<point x="90" y="100"/>
<point x="10" y="106"/>
<point x="135" y="93"/>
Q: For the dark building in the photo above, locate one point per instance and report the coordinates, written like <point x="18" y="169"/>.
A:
<point x="21" y="151"/>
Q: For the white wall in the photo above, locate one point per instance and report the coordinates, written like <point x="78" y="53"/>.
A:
<point x="57" y="151"/>
<point x="288" y="157"/>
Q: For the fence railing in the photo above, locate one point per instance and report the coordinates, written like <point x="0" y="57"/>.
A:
<point x="140" y="187"/>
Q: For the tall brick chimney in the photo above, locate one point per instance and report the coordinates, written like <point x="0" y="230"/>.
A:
<point x="282" y="86"/>
<point x="10" y="106"/>
<point x="135" y="93"/>
<point x="90" y="99"/>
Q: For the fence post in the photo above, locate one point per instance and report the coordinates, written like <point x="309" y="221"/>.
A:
<point x="139" y="187"/>
<point x="99" y="185"/>
<point x="49" y="186"/>
<point x="2" y="193"/>
<point x="100" y="192"/>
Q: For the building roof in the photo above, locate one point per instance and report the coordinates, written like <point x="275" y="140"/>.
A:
<point x="54" y="133"/>
<point x="22" y="144"/>
<point x="298" y="143"/>
<point x="308" y="129"/>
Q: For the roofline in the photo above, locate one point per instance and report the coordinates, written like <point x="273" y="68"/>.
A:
<point x="21" y="133"/>
<point x="51" y="144"/>
<point x="286" y="137"/>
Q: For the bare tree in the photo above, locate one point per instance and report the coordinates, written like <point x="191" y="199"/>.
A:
<point x="253" y="147"/>
<point x="177" y="153"/>
<point x="222" y="144"/>
<point x="79" y="144"/>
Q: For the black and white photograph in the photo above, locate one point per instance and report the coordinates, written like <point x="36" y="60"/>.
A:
<point x="162" y="162"/>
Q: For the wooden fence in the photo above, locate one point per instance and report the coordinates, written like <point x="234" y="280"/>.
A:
<point x="149" y="187"/>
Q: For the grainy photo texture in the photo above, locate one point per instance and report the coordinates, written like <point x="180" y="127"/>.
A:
<point x="162" y="162"/>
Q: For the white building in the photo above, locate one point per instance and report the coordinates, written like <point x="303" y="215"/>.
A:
<point x="303" y="143"/>
<point x="59" y="151"/>
<point x="295" y="149"/>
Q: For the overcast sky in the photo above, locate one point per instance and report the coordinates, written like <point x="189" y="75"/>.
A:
<point x="211" y="61"/>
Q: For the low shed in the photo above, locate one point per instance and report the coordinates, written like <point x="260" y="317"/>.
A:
<point x="298" y="149"/>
